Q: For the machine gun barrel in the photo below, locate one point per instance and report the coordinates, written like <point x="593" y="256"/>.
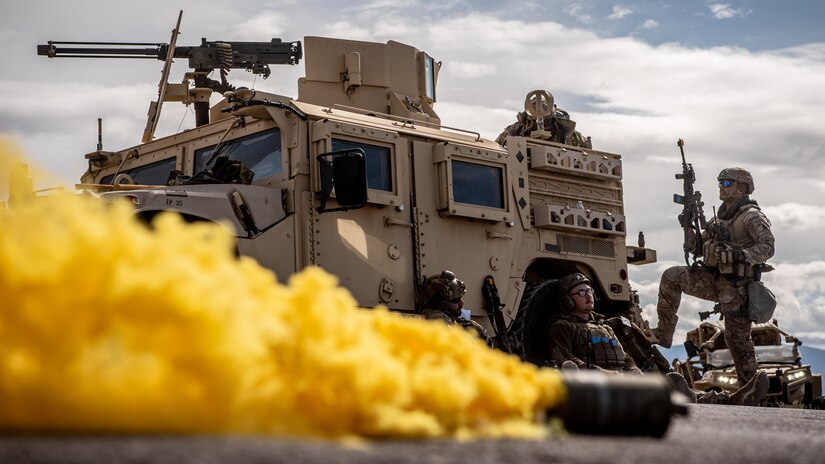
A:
<point x="102" y="50"/>
<point x="252" y="56"/>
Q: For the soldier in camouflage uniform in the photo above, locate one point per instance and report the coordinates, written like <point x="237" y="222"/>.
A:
<point x="581" y="339"/>
<point x="582" y="336"/>
<point x="736" y="245"/>
<point x="563" y="130"/>
<point x="442" y="295"/>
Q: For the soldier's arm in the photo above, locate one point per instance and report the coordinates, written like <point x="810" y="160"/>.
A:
<point x="561" y="344"/>
<point x="630" y="366"/>
<point x="759" y="228"/>
<point x="475" y="328"/>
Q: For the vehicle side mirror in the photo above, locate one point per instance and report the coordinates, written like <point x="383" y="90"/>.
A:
<point x="345" y="172"/>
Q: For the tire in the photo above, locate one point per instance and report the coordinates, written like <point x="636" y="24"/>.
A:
<point x="540" y="305"/>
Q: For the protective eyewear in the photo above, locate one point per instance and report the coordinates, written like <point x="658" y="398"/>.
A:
<point x="726" y="183"/>
<point x="583" y="293"/>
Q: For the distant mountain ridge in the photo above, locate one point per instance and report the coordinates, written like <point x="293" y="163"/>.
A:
<point x="813" y="356"/>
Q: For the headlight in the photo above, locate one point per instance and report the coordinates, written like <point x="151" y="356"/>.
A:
<point x="727" y="379"/>
<point x="797" y="375"/>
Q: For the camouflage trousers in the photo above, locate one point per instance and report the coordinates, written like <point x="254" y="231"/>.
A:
<point x="707" y="284"/>
<point x="713" y="397"/>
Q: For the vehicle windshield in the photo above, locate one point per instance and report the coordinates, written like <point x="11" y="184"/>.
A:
<point x="260" y="152"/>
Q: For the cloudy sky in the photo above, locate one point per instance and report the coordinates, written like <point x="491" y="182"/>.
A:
<point x="743" y="83"/>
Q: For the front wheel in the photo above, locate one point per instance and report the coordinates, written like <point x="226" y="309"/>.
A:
<point x="539" y="306"/>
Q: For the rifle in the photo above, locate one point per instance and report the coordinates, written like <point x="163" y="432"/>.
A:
<point x="692" y="218"/>
<point x="717" y="309"/>
<point x="492" y="303"/>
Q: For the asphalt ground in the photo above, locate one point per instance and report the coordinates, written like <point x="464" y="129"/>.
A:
<point x="709" y="433"/>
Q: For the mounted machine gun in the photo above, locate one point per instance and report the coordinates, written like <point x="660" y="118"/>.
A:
<point x="254" y="57"/>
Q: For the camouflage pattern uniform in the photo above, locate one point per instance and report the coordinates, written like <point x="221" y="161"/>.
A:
<point x="437" y="292"/>
<point x="563" y="130"/>
<point x="588" y="343"/>
<point x="469" y="324"/>
<point x="734" y="244"/>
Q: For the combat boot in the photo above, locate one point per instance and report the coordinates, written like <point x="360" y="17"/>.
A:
<point x="678" y="383"/>
<point x="752" y="393"/>
<point x="661" y="339"/>
<point x="713" y="397"/>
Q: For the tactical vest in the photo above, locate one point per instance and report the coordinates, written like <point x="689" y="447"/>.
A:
<point x="605" y="349"/>
<point x="737" y="237"/>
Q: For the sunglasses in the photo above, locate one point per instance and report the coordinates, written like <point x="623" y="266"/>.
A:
<point x="726" y="183"/>
<point x="456" y="300"/>
<point x="583" y="293"/>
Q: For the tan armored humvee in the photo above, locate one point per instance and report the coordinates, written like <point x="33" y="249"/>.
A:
<point x="425" y="197"/>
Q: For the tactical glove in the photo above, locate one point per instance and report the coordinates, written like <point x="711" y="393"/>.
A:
<point x="685" y="218"/>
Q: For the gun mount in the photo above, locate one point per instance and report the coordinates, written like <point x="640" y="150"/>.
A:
<point x="254" y="57"/>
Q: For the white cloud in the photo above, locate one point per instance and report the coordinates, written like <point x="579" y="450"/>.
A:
<point x="724" y="11"/>
<point x="466" y="70"/>
<point x="650" y="24"/>
<point x="382" y="5"/>
<point x="620" y="12"/>
<point x="796" y="217"/>
<point x="800" y="295"/>
<point x="262" y="24"/>
<point x="578" y="11"/>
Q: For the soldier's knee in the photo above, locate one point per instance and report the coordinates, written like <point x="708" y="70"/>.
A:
<point x="673" y="274"/>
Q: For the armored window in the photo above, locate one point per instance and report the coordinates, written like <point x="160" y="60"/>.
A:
<point x="472" y="182"/>
<point x="260" y="152"/>
<point x="149" y="174"/>
<point x="429" y="77"/>
<point x="478" y="184"/>
<point x="379" y="163"/>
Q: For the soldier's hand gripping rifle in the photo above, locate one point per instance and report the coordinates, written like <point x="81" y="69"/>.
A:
<point x="692" y="218"/>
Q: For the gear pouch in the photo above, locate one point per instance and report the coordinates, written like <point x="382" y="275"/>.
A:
<point x="761" y="302"/>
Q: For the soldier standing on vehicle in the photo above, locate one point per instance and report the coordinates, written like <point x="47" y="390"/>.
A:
<point x="736" y="245"/>
<point x="442" y="295"/>
<point x="581" y="339"/>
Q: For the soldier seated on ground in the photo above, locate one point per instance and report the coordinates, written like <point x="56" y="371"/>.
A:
<point x="442" y="295"/>
<point x="581" y="339"/>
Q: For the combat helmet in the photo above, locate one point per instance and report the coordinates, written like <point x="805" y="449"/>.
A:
<point x="740" y="175"/>
<point x="568" y="283"/>
<point x="442" y="287"/>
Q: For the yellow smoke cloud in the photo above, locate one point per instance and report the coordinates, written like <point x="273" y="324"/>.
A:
<point x="106" y="326"/>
